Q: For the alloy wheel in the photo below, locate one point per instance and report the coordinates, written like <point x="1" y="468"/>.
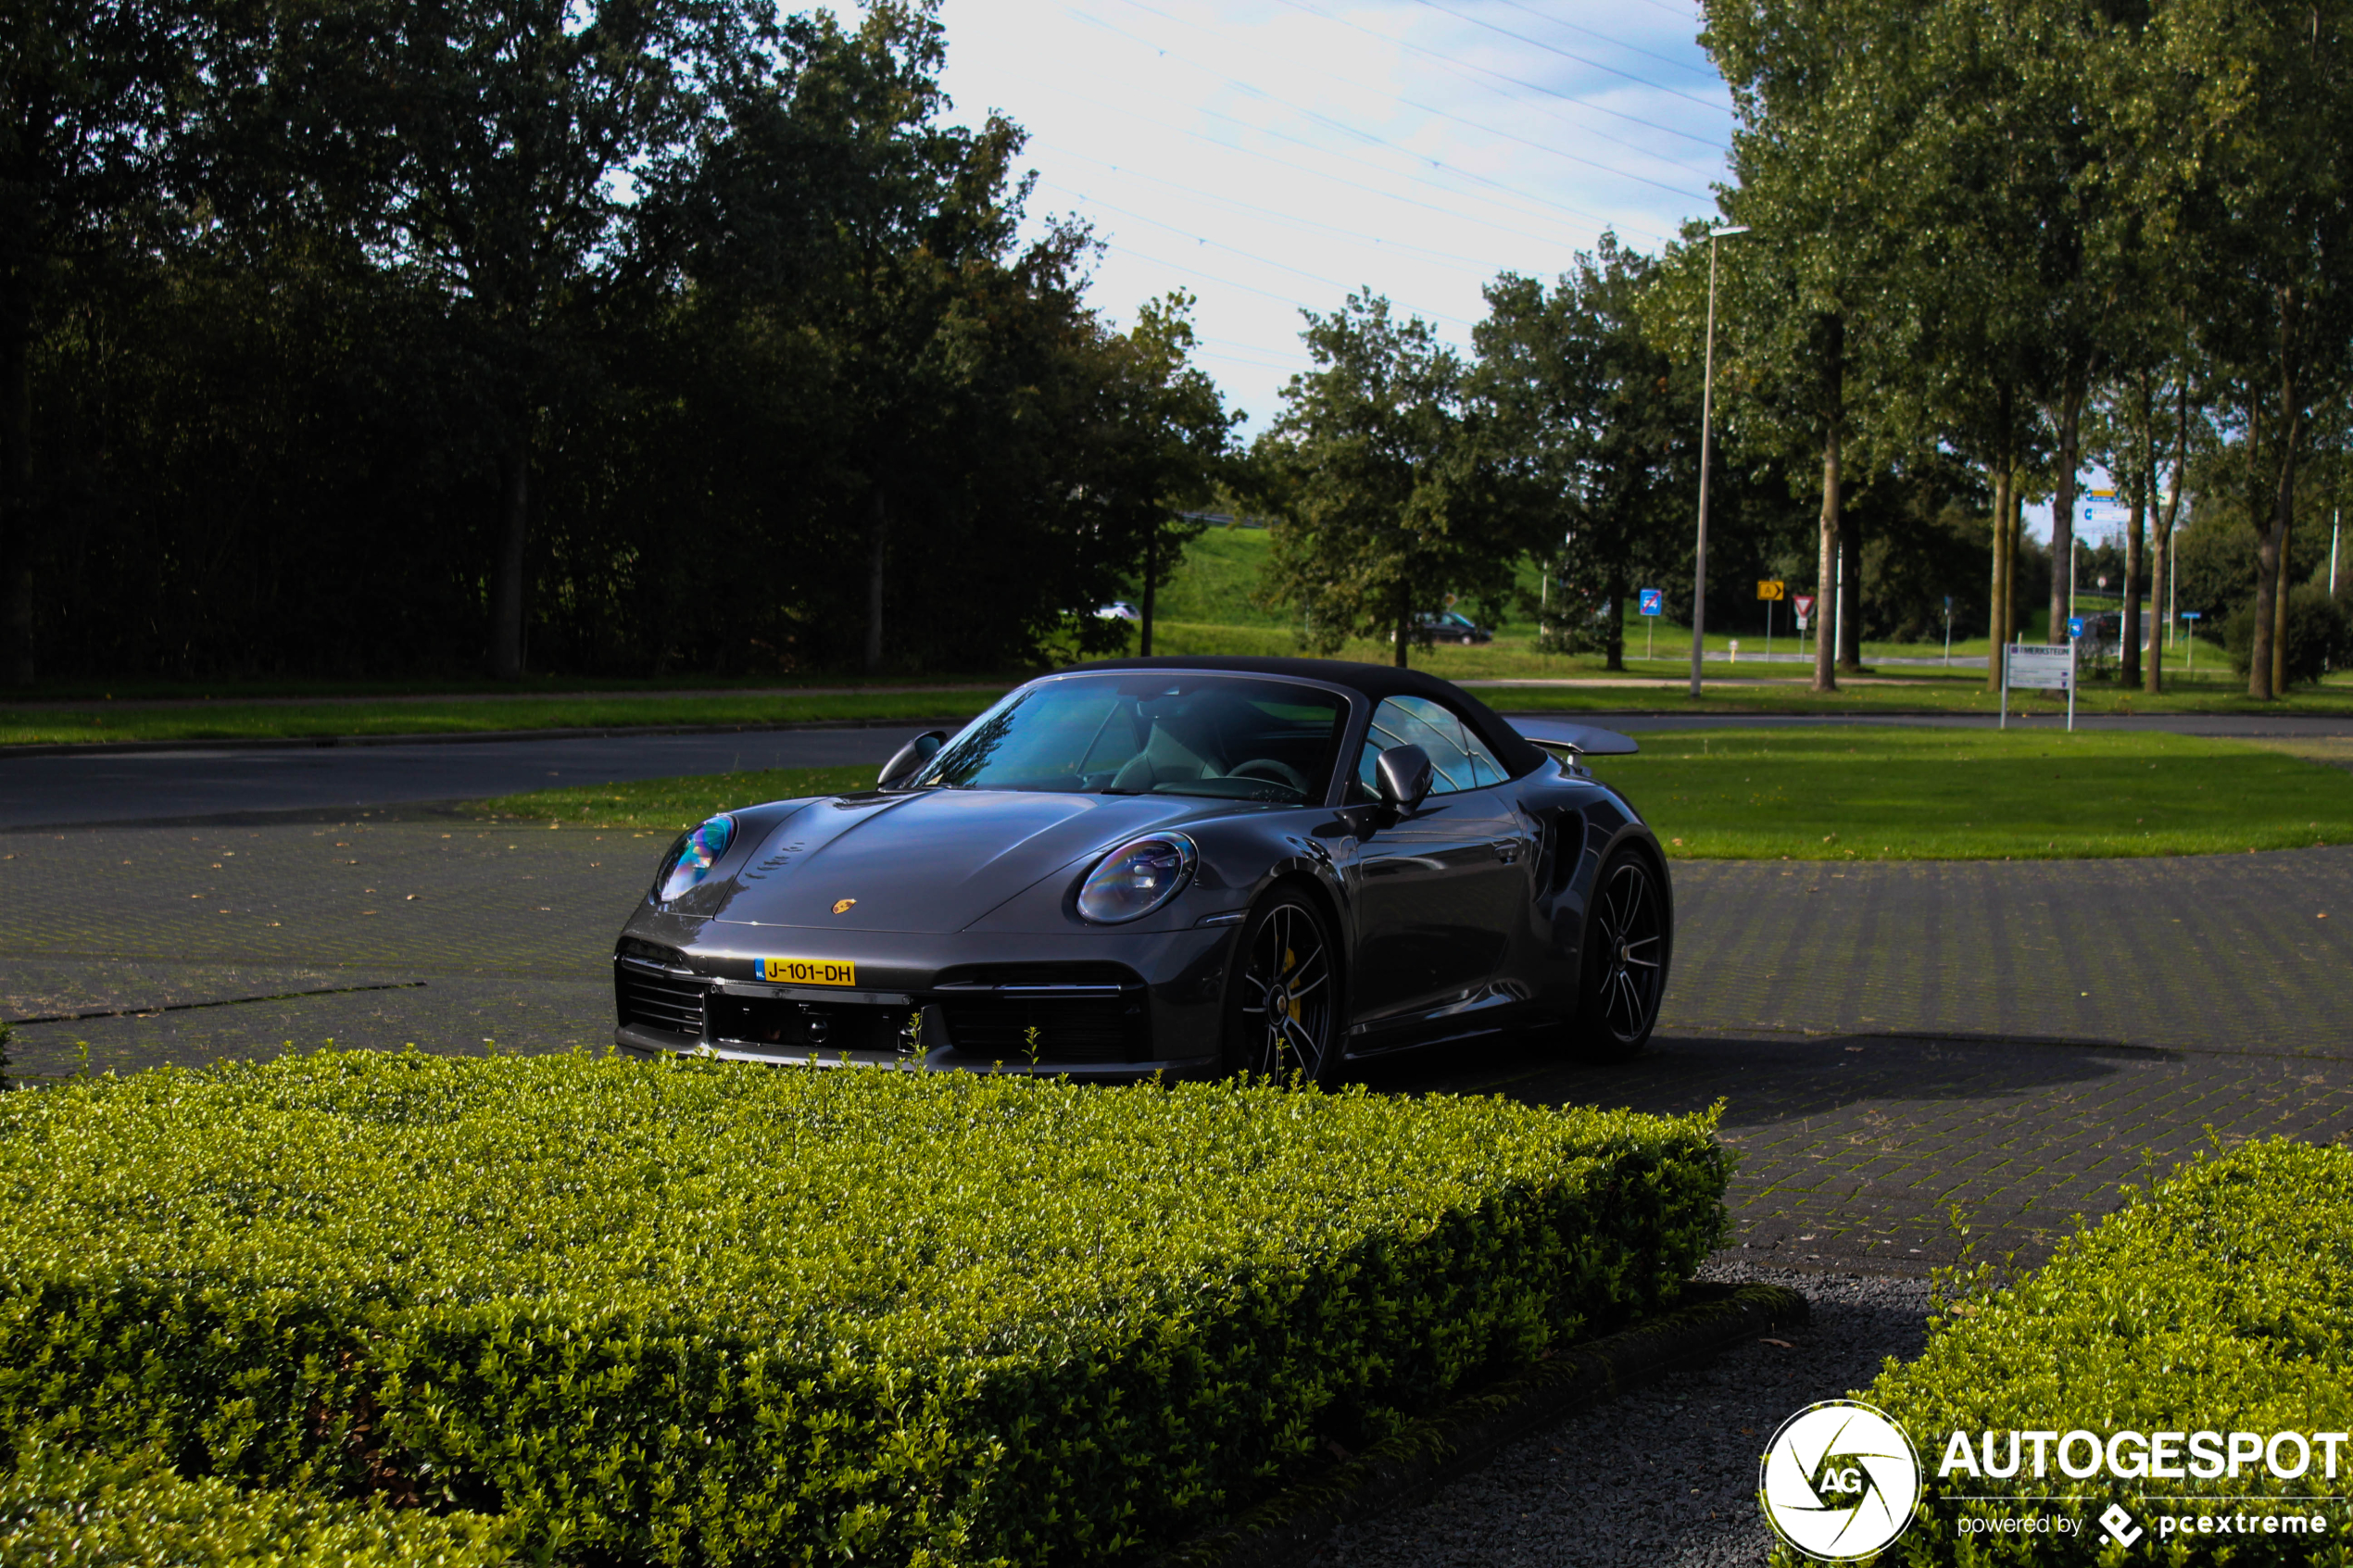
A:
<point x="1626" y="958"/>
<point x="1284" y="995"/>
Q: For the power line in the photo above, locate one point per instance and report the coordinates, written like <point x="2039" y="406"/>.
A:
<point x="1291" y="217"/>
<point x="1715" y="147"/>
<point x="1356" y="184"/>
<point x="1570" y="55"/>
<point x="1633" y="48"/>
<point x="1396" y="97"/>
<point x="1247" y="288"/>
<point x="1347" y="130"/>
<point x="1236" y="250"/>
<point x="1465" y="69"/>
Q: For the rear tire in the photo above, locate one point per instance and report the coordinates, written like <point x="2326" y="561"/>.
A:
<point x="1282" y="1002"/>
<point x="1627" y="946"/>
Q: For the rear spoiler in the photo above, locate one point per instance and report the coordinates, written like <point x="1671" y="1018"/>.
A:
<point x="1569" y="741"/>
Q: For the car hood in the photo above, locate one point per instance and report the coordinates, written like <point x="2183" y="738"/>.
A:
<point x="934" y="860"/>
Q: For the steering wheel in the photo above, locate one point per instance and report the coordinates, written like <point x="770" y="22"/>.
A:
<point x="1273" y="772"/>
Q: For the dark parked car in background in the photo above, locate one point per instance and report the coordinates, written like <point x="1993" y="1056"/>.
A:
<point x="1450" y="627"/>
<point x="1180" y="866"/>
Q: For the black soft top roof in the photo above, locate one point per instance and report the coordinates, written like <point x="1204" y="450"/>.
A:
<point x="1375" y="681"/>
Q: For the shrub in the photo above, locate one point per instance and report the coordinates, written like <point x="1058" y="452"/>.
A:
<point x="62" y="1509"/>
<point x="2318" y="634"/>
<point x="2220" y="1303"/>
<point x="698" y="1312"/>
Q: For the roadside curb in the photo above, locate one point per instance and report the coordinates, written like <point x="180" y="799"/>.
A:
<point x="463" y="737"/>
<point x="1289" y="1527"/>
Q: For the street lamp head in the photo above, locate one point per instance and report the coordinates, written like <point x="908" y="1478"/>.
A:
<point x="1728" y="232"/>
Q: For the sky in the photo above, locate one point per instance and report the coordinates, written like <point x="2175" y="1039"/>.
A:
<point x="1273" y="155"/>
<point x="1270" y="156"/>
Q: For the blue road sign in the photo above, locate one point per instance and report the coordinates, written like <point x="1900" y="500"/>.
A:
<point x="2193" y="615"/>
<point x="2074" y="625"/>
<point x="1654" y="601"/>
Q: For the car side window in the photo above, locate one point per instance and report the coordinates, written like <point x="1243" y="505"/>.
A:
<point x="1457" y="759"/>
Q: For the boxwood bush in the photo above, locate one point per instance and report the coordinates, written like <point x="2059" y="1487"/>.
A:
<point x="61" y="1508"/>
<point x="2219" y="1301"/>
<point x="695" y="1312"/>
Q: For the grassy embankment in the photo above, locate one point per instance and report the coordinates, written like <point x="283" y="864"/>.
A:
<point x="1804" y="793"/>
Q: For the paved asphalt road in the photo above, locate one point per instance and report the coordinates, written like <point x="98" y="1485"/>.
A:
<point x="182" y="786"/>
<point x="174" y="785"/>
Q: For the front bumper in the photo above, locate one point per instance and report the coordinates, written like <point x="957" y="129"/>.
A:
<point x="1102" y="1006"/>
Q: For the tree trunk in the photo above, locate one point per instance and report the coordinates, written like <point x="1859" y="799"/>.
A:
<point x="1826" y="573"/>
<point x="514" y="526"/>
<point x="2162" y="543"/>
<point x="1850" y="596"/>
<point x="1998" y="600"/>
<point x="1826" y="581"/>
<point x="2284" y="524"/>
<point x="878" y="538"/>
<point x="1404" y="616"/>
<point x="1616" y="647"/>
<point x="2267" y="668"/>
<point x="1152" y="577"/>
<point x="17" y="533"/>
<point x="2063" y="511"/>
<point x="2136" y="547"/>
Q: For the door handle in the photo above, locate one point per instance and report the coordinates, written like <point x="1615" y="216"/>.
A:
<point x="1506" y="850"/>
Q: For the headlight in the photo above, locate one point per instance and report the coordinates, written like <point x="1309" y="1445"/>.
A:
<point x="1136" y="878"/>
<point x="692" y="856"/>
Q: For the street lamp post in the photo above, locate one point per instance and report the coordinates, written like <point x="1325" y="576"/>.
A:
<point x="1706" y="420"/>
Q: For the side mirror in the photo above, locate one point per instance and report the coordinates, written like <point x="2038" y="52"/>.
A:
<point x="1403" y="773"/>
<point x="908" y="759"/>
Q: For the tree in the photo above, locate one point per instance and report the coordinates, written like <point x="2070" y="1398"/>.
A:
<point x="2252" y="149"/>
<point x="1388" y="499"/>
<point x="1159" y="441"/>
<point x="499" y="140"/>
<point x="1597" y="425"/>
<point x="95" y="96"/>
<point x="1810" y="335"/>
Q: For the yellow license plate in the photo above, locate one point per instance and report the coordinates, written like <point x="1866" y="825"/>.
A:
<point x="809" y="972"/>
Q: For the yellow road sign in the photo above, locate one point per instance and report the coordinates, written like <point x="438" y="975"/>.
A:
<point x="1770" y="590"/>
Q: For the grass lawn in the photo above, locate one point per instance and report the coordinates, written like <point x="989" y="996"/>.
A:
<point x="671" y="804"/>
<point x="1802" y="794"/>
<point x="461" y="715"/>
<point x="1934" y="795"/>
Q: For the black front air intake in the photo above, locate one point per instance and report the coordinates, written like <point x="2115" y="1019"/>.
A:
<point x="659" y="998"/>
<point x="1081" y="1013"/>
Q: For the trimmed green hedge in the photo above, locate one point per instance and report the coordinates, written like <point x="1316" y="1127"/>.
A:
<point x="696" y="1313"/>
<point x="2219" y="1302"/>
<point x="61" y="1509"/>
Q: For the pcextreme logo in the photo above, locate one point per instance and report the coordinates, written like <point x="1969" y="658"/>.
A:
<point x="1839" y="1480"/>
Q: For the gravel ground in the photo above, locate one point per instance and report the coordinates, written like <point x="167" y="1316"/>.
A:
<point x="1666" y="1475"/>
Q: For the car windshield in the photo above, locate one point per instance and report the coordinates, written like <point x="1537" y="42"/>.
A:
<point x="1151" y="733"/>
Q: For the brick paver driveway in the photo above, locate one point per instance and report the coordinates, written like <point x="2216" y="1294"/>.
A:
<point x="1891" y="1040"/>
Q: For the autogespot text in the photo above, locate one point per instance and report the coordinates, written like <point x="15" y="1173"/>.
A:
<point x="2137" y="1456"/>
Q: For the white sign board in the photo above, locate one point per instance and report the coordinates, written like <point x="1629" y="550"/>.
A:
<point x="2040" y="667"/>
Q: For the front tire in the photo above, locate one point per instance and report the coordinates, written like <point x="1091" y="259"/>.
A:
<point x="1626" y="944"/>
<point x="1282" y="1005"/>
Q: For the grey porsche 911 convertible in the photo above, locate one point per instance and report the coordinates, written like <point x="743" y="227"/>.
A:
<point x="1183" y="866"/>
